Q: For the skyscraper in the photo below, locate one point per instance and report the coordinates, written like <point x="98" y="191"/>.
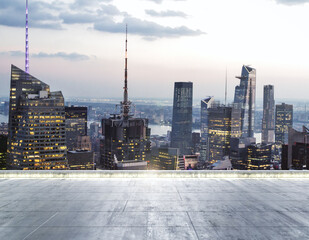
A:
<point x="245" y="97"/>
<point x="219" y="132"/>
<point x="3" y="151"/>
<point x="284" y="120"/>
<point x="295" y="154"/>
<point x="126" y="138"/>
<point x="36" y="137"/>
<point x="268" y="122"/>
<point x="205" y="104"/>
<point x="75" y="124"/>
<point x="181" y="136"/>
<point x="259" y="157"/>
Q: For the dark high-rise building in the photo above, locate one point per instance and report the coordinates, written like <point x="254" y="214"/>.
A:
<point x="3" y="151"/>
<point x="126" y="138"/>
<point x="75" y="125"/>
<point x="268" y="122"/>
<point x="36" y="137"/>
<point x="205" y="104"/>
<point x="295" y="154"/>
<point x="219" y="132"/>
<point x="284" y="120"/>
<point x="245" y="96"/>
<point x="196" y="142"/>
<point x="259" y="157"/>
<point x="181" y="136"/>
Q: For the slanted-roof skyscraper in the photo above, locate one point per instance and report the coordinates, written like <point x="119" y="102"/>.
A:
<point x="268" y="121"/>
<point x="126" y="138"/>
<point x="245" y="96"/>
<point x="36" y="137"/>
<point x="182" y="117"/>
<point x="36" y="124"/>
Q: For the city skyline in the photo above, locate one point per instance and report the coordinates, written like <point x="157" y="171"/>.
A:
<point x="163" y="51"/>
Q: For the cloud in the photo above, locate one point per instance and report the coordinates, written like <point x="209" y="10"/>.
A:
<point x="41" y="14"/>
<point x="144" y="28"/>
<point x="13" y="53"/>
<point x="167" y="13"/>
<point x="88" y="3"/>
<point x="103" y="20"/>
<point x="110" y="10"/>
<point x="160" y="1"/>
<point x="73" y="18"/>
<point x="66" y="56"/>
<point x="63" y="55"/>
<point x="98" y="14"/>
<point x="292" y="2"/>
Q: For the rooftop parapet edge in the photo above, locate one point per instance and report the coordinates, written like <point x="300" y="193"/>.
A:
<point x="36" y="174"/>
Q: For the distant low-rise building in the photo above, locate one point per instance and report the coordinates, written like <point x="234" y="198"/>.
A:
<point x="164" y="158"/>
<point x="84" y="143"/>
<point x="80" y="160"/>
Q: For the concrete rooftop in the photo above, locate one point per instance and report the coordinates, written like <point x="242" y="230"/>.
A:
<point x="153" y="208"/>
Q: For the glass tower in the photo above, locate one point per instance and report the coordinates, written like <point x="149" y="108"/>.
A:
<point x="245" y="96"/>
<point x="268" y="122"/>
<point x="36" y="137"/>
<point x="181" y="136"/>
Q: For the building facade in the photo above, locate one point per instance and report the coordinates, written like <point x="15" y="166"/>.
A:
<point x="75" y="124"/>
<point x="125" y="140"/>
<point x="284" y="121"/>
<point x="205" y="104"/>
<point x="259" y="157"/>
<point x="295" y="154"/>
<point x="181" y="136"/>
<point x="268" y="121"/>
<point x="3" y="151"/>
<point x="219" y="132"/>
<point x="36" y="138"/>
<point x="164" y="158"/>
<point x="245" y="97"/>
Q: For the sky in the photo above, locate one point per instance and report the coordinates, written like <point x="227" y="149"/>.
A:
<point x="77" y="46"/>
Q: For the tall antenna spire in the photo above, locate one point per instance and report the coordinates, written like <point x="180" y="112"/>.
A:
<point x="126" y="103"/>
<point x="27" y="41"/>
<point x="225" y="85"/>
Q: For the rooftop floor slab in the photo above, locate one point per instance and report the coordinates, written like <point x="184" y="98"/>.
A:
<point x="154" y="208"/>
